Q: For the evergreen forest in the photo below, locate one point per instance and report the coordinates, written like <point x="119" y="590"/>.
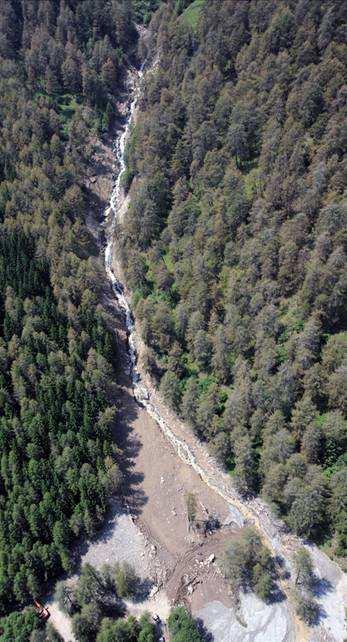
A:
<point x="234" y="244"/>
<point x="234" y="249"/>
<point x="62" y="69"/>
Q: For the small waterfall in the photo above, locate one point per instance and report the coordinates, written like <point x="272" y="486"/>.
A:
<point x="253" y="511"/>
<point x="111" y="218"/>
<point x="134" y="87"/>
<point x="141" y="392"/>
<point x="218" y="481"/>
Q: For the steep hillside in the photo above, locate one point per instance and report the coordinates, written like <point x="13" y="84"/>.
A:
<point x="234" y="244"/>
<point x="62" y="68"/>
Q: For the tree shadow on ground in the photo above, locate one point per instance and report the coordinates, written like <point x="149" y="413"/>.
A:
<point x="130" y="444"/>
<point x="276" y="596"/>
<point x="281" y="567"/>
<point x="130" y="498"/>
<point x="96" y="230"/>
<point x="206" y="635"/>
<point x="321" y="586"/>
<point x="143" y="589"/>
<point x="321" y="614"/>
<point x="116" y="610"/>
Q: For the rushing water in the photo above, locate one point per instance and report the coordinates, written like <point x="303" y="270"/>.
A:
<point x="141" y="392"/>
<point x="215" y="479"/>
<point x="111" y="218"/>
<point x="254" y="510"/>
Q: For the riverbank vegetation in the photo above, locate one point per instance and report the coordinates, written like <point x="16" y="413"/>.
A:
<point x="234" y="244"/>
<point x="249" y="566"/>
<point x="95" y="602"/>
<point x="307" y="586"/>
<point x="96" y="605"/>
<point x="182" y="626"/>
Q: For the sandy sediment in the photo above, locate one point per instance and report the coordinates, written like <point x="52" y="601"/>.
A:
<point x="149" y="527"/>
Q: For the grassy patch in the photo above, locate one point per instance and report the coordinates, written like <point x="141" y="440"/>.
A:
<point x="205" y="383"/>
<point x="282" y="353"/>
<point x="230" y="465"/>
<point x="137" y="297"/>
<point x="168" y="262"/>
<point x="192" y="13"/>
<point x="253" y="184"/>
<point x="66" y="106"/>
<point x="189" y="366"/>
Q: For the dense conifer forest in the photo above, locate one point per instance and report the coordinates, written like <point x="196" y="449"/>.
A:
<point x="61" y="70"/>
<point x="234" y="243"/>
<point x="234" y="249"/>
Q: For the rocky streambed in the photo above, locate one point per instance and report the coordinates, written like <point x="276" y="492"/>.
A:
<point x="164" y="463"/>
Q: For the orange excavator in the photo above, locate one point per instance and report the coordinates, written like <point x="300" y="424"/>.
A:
<point x="42" y="611"/>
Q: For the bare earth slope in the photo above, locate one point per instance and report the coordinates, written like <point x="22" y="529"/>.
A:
<point x="164" y="461"/>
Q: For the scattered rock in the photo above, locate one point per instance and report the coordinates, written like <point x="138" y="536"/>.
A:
<point x="235" y="517"/>
<point x="142" y="393"/>
<point x="190" y="589"/>
<point x="154" y="590"/>
<point x="210" y="560"/>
